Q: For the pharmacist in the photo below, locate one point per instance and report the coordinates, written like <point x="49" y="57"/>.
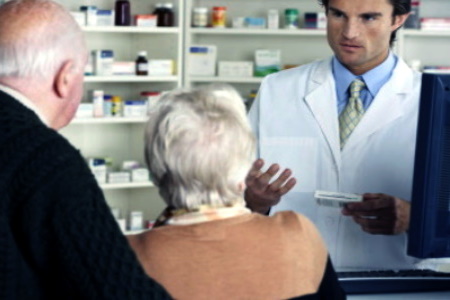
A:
<point x="361" y="141"/>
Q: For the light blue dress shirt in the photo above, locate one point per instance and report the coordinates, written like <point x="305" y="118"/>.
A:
<point x="374" y="80"/>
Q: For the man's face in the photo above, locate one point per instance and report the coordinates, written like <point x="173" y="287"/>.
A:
<point x="359" y="31"/>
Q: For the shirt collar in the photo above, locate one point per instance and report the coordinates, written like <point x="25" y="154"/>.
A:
<point x="374" y="79"/>
<point x="25" y="101"/>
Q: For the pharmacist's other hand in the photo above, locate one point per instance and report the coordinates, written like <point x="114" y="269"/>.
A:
<point x="380" y="214"/>
<point x="262" y="193"/>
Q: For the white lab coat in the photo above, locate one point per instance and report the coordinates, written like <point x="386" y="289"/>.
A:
<point x="295" y="119"/>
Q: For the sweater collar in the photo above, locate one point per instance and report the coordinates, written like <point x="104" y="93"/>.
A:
<point x="25" y="101"/>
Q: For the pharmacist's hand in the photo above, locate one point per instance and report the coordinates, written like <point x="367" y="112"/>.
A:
<point x="380" y="214"/>
<point x="261" y="194"/>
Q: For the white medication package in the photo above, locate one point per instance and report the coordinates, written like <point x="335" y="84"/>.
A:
<point x="336" y="199"/>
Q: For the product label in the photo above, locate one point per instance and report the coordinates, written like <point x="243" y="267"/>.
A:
<point x="142" y="67"/>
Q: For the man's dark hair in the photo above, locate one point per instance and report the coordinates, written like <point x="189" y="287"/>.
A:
<point x="401" y="7"/>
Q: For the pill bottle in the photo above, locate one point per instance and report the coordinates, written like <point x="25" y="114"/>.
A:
<point x="291" y="18"/>
<point x="200" y="17"/>
<point x="219" y="17"/>
<point x="122" y="13"/>
<point x="117" y="106"/>
<point x="413" y="20"/>
<point x="107" y="105"/>
<point x="142" y="63"/>
<point x="165" y="14"/>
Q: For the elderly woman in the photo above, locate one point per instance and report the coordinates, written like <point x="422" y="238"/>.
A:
<point x="199" y="148"/>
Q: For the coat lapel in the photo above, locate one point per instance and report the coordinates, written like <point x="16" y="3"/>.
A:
<point x="387" y="106"/>
<point x="321" y="100"/>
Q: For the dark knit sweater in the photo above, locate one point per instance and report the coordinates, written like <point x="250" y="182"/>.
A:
<point x="57" y="235"/>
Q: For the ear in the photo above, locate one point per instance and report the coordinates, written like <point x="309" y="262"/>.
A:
<point x="399" y="20"/>
<point x="64" y="79"/>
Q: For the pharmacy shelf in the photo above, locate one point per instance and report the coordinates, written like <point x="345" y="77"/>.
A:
<point x="226" y="79"/>
<point x="131" y="29"/>
<point x="263" y="31"/>
<point x="107" y="121"/>
<point x="128" y="185"/>
<point x="425" y="33"/>
<point x="131" y="78"/>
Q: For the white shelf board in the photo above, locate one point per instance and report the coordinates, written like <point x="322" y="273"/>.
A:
<point x="109" y="120"/>
<point x="131" y="29"/>
<point x="247" y="31"/>
<point x="131" y="78"/>
<point x="128" y="185"/>
<point x="226" y="79"/>
<point x="426" y="33"/>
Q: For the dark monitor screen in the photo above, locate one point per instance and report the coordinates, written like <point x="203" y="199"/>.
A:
<point x="429" y="230"/>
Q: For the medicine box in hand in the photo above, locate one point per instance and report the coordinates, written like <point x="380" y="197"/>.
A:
<point x="336" y="199"/>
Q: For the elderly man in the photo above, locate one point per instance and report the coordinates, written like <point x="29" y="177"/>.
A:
<point x="58" y="238"/>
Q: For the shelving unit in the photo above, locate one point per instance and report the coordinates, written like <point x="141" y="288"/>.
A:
<point x="430" y="47"/>
<point x="131" y="79"/>
<point x="422" y="45"/>
<point x="121" y="138"/>
<point x="298" y="46"/>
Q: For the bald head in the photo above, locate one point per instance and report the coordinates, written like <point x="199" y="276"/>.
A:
<point x="36" y="36"/>
<point x="42" y="56"/>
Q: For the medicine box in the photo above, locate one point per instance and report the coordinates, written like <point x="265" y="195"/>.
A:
<point x="105" y="17"/>
<point x="321" y="20"/>
<point x="310" y="20"/>
<point x="273" y="19"/>
<point x="122" y="224"/>
<point x="140" y="175"/>
<point x="89" y="68"/>
<point x="119" y="177"/>
<point x="135" y="108"/>
<point x="238" y="22"/>
<point x="98" y="168"/>
<point x="160" y="67"/>
<point x="136" y="221"/>
<point x="235" y="68"/>
<point x="97" y="101"/>
<point x="90" y="12"/>
<point x="255" y="23"/>
<point x="128" y="165"/>
<point x="202" y="60"/>
<point x="80" y="17"/>
<point x="124" y="68"/>
<point x="103" y="62"/>
<point x="267" y="61"/>
<point x="145" y="20"/>
<point x="84" y="110"/>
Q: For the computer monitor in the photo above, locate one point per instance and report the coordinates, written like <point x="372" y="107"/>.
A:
<point x="429" y="230"/>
